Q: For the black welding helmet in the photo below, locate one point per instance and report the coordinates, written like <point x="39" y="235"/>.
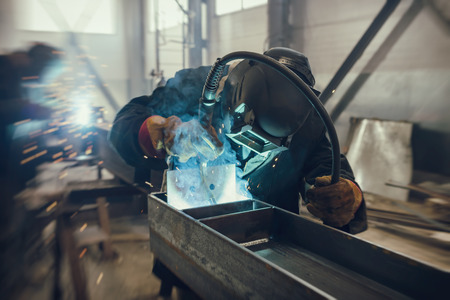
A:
<point x="267" y="108"/>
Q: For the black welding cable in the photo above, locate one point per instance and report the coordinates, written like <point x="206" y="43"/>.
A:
<point x="207" y="101"/>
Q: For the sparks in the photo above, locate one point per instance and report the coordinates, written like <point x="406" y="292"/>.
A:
<point x="83" y="252"/>
<point x="149" y="183"/>
<point x="27" y="160"/>
<point x="22" y="122"/>
<point x="56" y="155"/>
<point x="83" y="227"/>
<point x="29" y="149"/>
<point x="62" y="175"/>
<point x="51" y="206"/>
<point x="99" y="279"/>
<point x="50" y="130"/>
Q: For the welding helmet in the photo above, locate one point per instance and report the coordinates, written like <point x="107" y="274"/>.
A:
<point x="267" y="108"/>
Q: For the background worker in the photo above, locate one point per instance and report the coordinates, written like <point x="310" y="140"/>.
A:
<point x="150" y="128"/>
<point x="33" y="66"/>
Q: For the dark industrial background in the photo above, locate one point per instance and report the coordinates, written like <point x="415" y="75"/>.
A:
<point x="401" y="75"/>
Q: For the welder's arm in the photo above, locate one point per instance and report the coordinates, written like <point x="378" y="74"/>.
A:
<point x="183" y="90"/>
<point x="341" y="204"/>
<point x="160" y="136"/>
<point x="124" y="133"/>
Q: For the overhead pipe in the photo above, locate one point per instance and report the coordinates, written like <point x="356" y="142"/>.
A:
<point x="195" y="33"/>
<point x="278" y="19"/>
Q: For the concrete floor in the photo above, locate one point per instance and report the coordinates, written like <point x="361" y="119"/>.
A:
<point x="128" y="276"/>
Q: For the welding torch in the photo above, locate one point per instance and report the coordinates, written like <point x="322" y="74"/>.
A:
<point x="208" y="99"/>
<point x="205" y="114"/>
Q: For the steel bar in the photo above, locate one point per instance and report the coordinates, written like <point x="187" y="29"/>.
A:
<point x="359" y="48"/>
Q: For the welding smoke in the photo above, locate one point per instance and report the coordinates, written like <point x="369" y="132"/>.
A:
<point x="183" y="92"/>
<point x="192" y="138"/>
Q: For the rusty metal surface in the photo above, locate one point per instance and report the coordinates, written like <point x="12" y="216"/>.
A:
<point x="380" y="151"/>
<point x="255" y="251"/>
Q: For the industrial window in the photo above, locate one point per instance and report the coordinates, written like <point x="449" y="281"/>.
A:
<point x="229" y="6"/>
<point x="67" y="15"/>
<point x="166" y="13"/>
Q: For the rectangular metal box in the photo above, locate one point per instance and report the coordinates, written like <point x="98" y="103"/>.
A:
<point x="251" y="250"/>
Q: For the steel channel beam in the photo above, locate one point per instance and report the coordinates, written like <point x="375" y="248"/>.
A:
<point x="302" y="259"/>
<point x="390" y="269"/>
<point x="214" y="266"/>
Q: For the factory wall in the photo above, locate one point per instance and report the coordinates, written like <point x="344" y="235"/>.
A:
<point x="404" y="74"/>
<point x="172" y="56"/>
<point x="243" y="30"/>
<point x="106" y="52"/>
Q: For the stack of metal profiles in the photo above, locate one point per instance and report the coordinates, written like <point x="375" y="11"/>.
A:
<point x="251" y="250"/>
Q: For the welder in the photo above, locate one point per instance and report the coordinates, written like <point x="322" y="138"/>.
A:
<point x="149" y="129"/>
<point x="34" y="66"/>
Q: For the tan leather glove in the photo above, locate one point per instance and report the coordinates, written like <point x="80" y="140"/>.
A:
<point x="184" y="140"/>
<point x="335" y="204"/>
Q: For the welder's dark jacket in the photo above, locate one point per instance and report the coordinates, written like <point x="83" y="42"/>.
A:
<point x="308" y="156"/>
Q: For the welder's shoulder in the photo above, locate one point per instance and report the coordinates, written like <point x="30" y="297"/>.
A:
<point x="135" y="104"/>
<point x="141" y="100"/>
<point x="190" y="76"/>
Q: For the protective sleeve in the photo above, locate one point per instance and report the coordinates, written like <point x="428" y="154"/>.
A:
<point x="319" y="164"/>
<point x="124" y="134"/>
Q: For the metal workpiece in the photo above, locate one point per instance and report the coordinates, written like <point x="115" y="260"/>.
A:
<point x="201" y="186"/>
<point x="251" y="250"/>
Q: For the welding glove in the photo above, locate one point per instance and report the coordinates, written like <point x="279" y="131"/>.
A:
<point x="335" y="204"/>
<point x="159" y="136"/>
